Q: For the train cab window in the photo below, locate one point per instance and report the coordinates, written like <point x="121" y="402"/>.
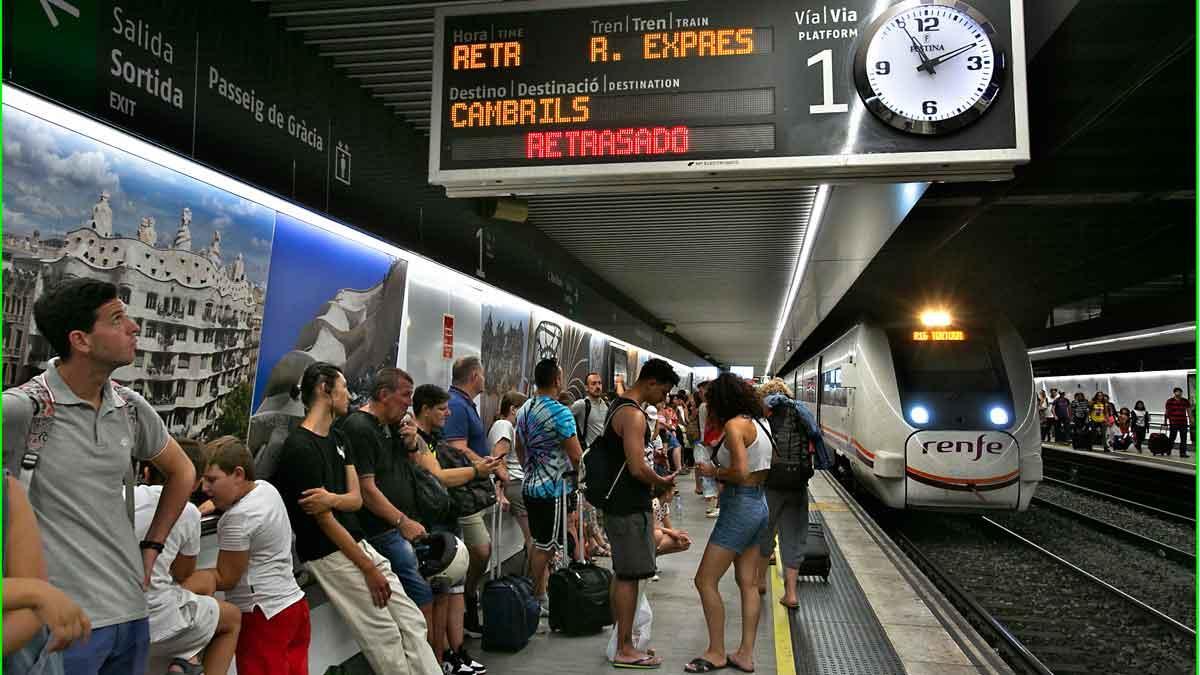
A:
<point x="972" y="365"/>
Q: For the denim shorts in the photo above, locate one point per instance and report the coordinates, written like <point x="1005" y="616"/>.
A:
<point x="744" y="517"/>
<point x="403" y="558"/>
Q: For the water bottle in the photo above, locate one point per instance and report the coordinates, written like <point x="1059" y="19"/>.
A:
<point x="678" y="506"/>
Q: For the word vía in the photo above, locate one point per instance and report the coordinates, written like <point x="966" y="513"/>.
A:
<point x="511" y="112"/>
<point x="628" y="142"/>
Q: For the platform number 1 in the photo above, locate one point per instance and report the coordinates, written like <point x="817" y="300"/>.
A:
<point x="825" y="58"/>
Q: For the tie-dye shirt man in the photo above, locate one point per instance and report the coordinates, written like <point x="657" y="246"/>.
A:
<point x="542" y="425"/>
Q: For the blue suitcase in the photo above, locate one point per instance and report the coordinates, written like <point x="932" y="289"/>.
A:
<point x="510" y="612"/>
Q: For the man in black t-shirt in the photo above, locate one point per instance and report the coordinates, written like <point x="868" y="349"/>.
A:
<point x="628" y="520"/>
<point x="319" y="485"/>
<point x="385" y="480"/>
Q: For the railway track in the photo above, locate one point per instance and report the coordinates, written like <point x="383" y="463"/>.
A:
<point x="1106" y="525"/>
<point x="1164" y="487"/>
<point x="1044" y="613"/>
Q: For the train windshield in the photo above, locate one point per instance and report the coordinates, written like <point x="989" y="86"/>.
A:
<point x="964" y="361"/>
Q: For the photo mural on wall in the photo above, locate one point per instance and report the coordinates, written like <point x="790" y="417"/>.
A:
<point x="504" y="343"/>
<point x="190" y="262"/>
<point x="570" y="344"/>
<point x="332" y="300"/>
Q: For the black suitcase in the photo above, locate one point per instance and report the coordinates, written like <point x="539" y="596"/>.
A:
<point x="816" y="553"/>
<point x="1060" y="433"/>
<point x="1081" y="439"/>
<point x="1160" y="444"/>
<point x="579" y="600"/>
<point x="510" y="612"/>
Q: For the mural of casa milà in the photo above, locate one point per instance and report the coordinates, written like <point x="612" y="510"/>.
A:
<point x="190" y="262"/>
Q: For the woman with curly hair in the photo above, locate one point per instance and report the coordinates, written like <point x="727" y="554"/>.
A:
<point x="742" y="461"/>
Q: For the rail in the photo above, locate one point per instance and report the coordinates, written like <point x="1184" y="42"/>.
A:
<point x="1153" y="545"/>
<point x="1186" y="631"/>
<point x="1012" y="645"/>
<point x="1170" y="515"/>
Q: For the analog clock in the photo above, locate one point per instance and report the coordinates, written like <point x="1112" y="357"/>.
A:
<point x="929" y="66"/>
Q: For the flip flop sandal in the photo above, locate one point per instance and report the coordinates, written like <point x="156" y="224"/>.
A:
<point x="699" y="665"/>
<point x="737" y="666"/>
<point x="185" y="667"/>
<point x="644" y="663"/>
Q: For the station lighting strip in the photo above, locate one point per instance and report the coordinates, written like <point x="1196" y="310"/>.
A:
<point x="86" y="126"/>
<point x="1124" y="338"/>
<point x="806" y="249"/>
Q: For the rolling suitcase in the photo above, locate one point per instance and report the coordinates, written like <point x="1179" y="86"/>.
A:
<point x="816" y="553"/>
<point x="1160" y="444"/>
<point x="579" y="602"/>
<point x="1081" y="439"/>
<point x="510" y="612"/>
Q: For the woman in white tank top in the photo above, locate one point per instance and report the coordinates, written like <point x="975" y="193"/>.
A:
<point x="743" y="458"/>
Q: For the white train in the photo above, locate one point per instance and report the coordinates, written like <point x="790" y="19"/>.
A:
<point x="929" y="414"/>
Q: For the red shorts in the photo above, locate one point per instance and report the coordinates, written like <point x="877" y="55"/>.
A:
<point x="276" y="646"/>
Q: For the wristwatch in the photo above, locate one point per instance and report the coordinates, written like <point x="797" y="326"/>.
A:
<point x="146" y="543"/>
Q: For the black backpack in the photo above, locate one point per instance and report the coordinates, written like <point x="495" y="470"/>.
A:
<point x="791" y="461"/>
<point x="598" y="471"/>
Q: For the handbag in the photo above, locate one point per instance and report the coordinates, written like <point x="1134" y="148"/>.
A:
<point x="434" y="504"/>
<point x="473" y="497"/>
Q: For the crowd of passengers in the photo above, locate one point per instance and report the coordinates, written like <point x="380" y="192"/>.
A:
<point x="1098" y="421"/>
<point x="103" y="580"/>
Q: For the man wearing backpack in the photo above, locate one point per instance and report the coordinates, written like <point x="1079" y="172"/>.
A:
<point x="69" y="434"/>
<point x="626" y="501"/>
<point x="590" y="411"/>
<point x="787" y="485"/>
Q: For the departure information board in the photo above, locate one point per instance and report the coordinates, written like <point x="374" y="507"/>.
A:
<point x="557" y="93"/>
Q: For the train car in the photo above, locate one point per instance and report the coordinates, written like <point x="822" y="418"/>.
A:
<point x="930" y="414"/>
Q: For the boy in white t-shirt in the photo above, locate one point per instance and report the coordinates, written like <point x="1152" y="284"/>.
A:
<point x="254" y="566"/>
<point x="183" y="623"/>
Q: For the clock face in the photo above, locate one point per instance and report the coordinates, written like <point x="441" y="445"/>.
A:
<point x="929" y="67"/>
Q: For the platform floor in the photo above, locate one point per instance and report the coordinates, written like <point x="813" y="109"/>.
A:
<point x="1173" y="461"/>
<point x="678" y="632"/>
<point x="867" y="619"/>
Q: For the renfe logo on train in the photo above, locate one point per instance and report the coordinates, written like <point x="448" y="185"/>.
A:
<point x="977" y="447"/>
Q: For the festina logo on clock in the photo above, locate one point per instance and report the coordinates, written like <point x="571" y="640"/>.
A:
<point x="929" y="66"/>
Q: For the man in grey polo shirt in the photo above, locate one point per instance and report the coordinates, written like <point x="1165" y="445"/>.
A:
<point x="590" y="412"/>
<point x="76" y="486"/>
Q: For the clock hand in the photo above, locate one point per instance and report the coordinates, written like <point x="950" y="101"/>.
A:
<point x="920" y="51"/>
<point x="928" y="65"/>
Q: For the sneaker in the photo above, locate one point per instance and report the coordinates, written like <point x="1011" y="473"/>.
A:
<point x="465" y="657"/>
<point x="712" y="513"/>
<point x="453" y="665"/>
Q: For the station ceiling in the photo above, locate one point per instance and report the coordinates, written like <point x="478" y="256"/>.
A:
<point x="1106" y="205"/>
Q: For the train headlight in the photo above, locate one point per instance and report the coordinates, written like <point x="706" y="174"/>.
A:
<point x="919" y="414"/>
<point x="999" y="416"/>
<point x="935" y="318"/>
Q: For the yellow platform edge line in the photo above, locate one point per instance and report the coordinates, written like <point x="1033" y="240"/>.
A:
<point x="785" y="660"/>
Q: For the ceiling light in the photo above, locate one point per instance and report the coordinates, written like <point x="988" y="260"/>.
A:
<point x="806" y="249"/>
